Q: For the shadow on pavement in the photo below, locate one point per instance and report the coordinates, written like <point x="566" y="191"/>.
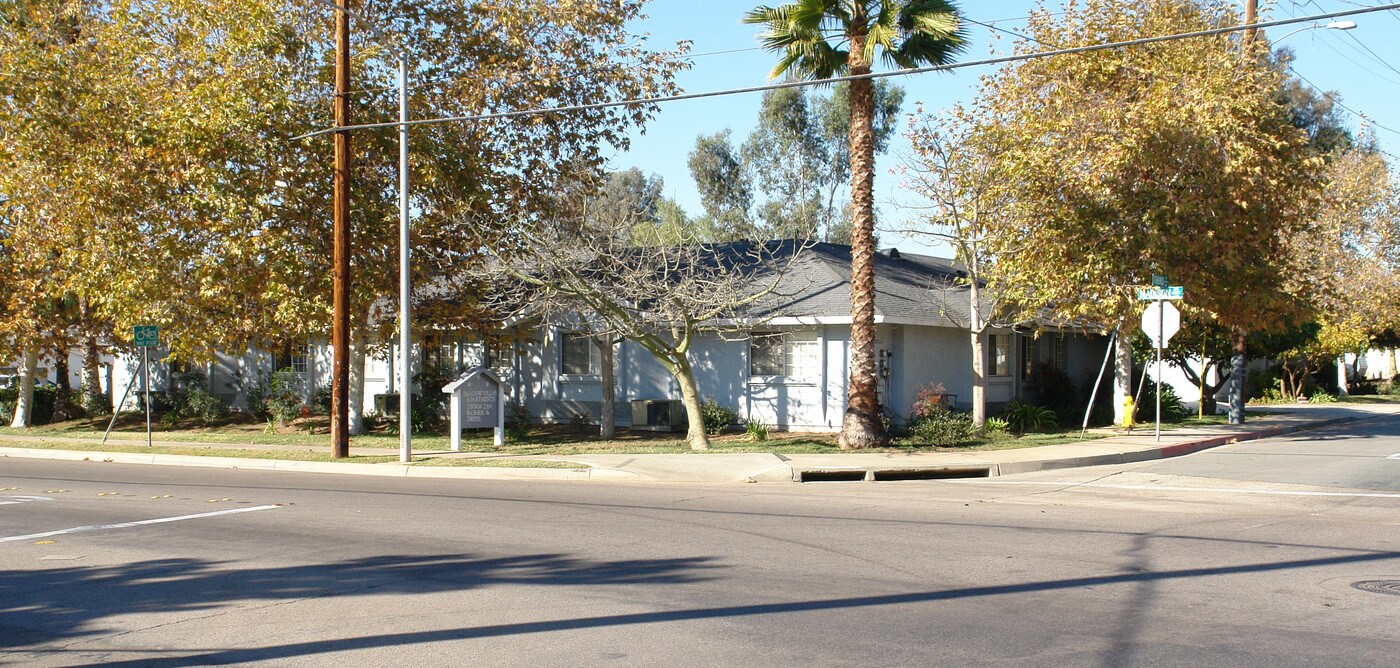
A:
<point x="314" y="647"/>
<point x="69" y="603"/>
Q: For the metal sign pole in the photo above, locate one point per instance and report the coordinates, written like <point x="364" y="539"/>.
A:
<point x="117" y="411"/>
<point x="146" y="366"/>
<point x="1161" y="331"/>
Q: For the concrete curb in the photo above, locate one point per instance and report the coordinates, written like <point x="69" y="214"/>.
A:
<point x="1166" y="451"/>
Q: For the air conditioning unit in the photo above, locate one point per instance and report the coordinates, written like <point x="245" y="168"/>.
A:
<point x="388" y="404"/>
<point x="658" y="414"/>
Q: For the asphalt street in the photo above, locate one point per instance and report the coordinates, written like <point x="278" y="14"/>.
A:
<point x="1283" y="552"/>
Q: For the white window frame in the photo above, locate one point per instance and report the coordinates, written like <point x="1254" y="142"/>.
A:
<point x="999" y="343"/>
<point x="300" y="358"/>
<point x="800" y="359"/>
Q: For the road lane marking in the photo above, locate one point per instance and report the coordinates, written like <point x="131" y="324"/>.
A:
<point x="1394" y="456"/>
<point x="126" y="525"/>
<point x="1167" y="488"/>
<point x="11" y="500"/>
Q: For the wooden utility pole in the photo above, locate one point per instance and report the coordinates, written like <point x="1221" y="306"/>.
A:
<point x="340" y="328"/>
<point x="1238" y="355"/>
<point x="1251" y="16"/>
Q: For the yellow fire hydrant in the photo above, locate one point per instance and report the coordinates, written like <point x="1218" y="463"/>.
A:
<point x="1128" y="412"/>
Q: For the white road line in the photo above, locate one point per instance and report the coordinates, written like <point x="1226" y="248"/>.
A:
<point x="125" y="525"/>
<point x="12" y="500"/>
<point x="1167" y="488"/>
<point x="1394" y="456"/>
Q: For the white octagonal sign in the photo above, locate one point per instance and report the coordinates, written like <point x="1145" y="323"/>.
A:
<point x="1160" y="319"/>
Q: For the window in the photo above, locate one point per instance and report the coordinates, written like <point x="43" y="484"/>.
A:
<point x="301" y="357"/>
<point x="1029" y="347"/>
<point x="1061" y="354"/>
<point x="784" y="354"/>
<point x="502" y="356"/>
<point x="576" y="355"/>
<point x="999" y="355"/>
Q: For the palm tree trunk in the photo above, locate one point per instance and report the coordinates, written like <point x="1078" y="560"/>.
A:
<point x="862" y="427"/>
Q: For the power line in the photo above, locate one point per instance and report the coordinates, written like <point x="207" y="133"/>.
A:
<point x="1374" y="55"/>
<point x="1338" y="102"/>
<point x="873" y="75"/>
<point x="1359" y="66"/>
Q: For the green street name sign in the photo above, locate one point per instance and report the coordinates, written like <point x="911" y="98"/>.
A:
<point x="1160" y="281"/>
<point x="1169" y="292"/>
<point x="146" y="336"/>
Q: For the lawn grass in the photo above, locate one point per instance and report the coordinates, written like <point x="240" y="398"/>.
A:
<point x="128" y="435"/>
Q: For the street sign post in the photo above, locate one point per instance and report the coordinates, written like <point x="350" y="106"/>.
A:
<point x="1160" y="321"/>
<point x="146" y="337"/>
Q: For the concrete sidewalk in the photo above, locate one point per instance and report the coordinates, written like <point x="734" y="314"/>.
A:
<point x="702" y="467"/>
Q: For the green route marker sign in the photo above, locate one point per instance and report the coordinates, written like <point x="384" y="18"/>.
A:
<point x="146" y="336"/>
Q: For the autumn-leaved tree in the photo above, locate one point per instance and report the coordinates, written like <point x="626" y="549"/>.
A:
<point x="820" y="39"/>
<point x="149" y="144"/>
<point x="1171" y="158"/>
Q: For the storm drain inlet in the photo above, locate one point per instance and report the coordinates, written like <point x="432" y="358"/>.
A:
<point x="930" y="474"/>
<point x="831" y="475"/>
<point x="889" y="475"/>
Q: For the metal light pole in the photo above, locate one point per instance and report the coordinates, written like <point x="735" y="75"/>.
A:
<point x="405" y="338"/>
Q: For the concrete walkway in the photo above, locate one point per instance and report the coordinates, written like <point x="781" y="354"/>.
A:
<point x="703" y="467"/>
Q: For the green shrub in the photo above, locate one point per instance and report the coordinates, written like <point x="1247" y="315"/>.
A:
<point x="996" y="426"/>
<point x="756" y="430"/>
<point x="95" y="402"/>
<point x="321" y="401"/>
<point x="1320" y="396"/>
<point x="273" y="397"/>
<point x="201" y="405"/>
<point x="717" y="418"/>
<point x="943" y="430"/>
<point x="1026" y="418"/>
<point x="42" y="411"/>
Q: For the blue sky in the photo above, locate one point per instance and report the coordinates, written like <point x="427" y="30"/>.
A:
<point x="1361" y="65"/>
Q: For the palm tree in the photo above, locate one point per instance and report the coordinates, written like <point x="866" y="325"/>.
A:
<point x="821" y="39"/>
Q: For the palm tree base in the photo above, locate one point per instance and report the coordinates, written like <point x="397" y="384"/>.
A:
<point x="859" y="432"/>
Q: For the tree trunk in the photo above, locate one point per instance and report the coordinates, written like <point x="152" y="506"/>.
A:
<point x="1122" y="375"/>
<point x="1237" y="375"/>
<point x="357" y="381"/>
<point x="92" y="378"/>
<point x="690" y="395"/>
<point x="607" y="422"/>
<point x="24" y="404"/>
<point x="1342" y="388"/>
<point x="862" y="427"/>
<point x="1390" y="364"/>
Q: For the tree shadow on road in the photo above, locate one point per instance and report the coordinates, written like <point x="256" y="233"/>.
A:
<point x="200" y="657"/>
<point x="71" y="602"/>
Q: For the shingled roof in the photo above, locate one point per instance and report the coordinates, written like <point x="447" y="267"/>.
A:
<point x="909" y="288"/>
